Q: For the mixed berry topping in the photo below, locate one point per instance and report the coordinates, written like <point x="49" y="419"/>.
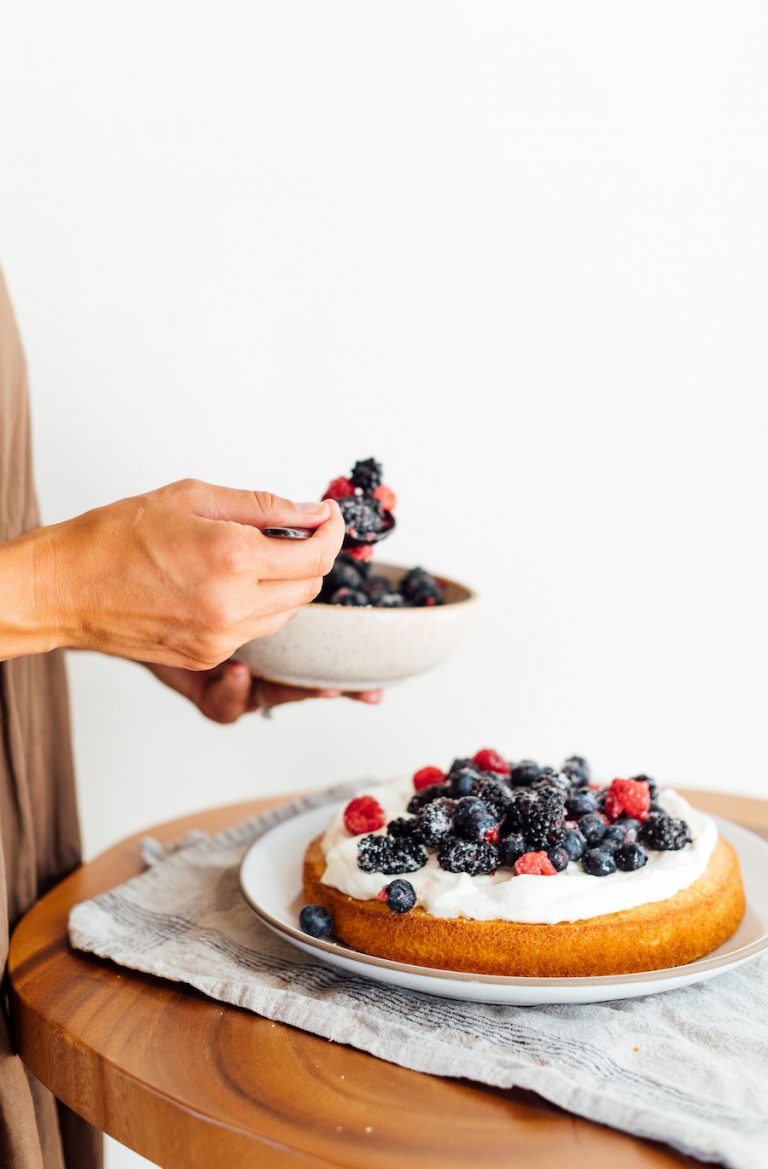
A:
<point x="487" y="813"/>
<point x="315" y="921"/>
<point x="367" y="506"/>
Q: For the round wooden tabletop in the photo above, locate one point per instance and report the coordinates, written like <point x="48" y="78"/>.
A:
<point x="195" y="1084"/>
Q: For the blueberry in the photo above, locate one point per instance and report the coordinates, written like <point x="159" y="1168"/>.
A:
<point x="577" y="764"/>
<point x="591" y="828"/>
<point x="511" y="848"/>
<point x="523" y="773"/>
<point x="574" y="843"/>
<point x="466" y="808"/>
<point x="345" y="596"/>
<point x="559" y="857"/>
<point x="581" y="803"/>
<point x="631" y="828"/>
<point x="598" y="863"/>
<point x="461" y="777"/>
<point x="478" y="826"/>
<point x="315" y="921"/>
<point x="630" y="857"/>
<point x="401" y="896"/>
<point x="613" y="837"/>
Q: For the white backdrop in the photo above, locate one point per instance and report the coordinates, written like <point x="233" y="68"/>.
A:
<point x="516" y="251"/>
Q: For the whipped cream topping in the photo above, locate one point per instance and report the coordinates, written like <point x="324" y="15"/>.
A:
<point x="571" y="895"/>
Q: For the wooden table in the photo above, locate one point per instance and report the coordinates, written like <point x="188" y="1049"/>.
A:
<point x="196" y="1084"/>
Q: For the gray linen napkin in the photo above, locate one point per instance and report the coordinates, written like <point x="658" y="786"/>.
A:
<point x="689" y="1067"/>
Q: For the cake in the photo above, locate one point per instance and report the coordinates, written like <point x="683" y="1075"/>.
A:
<point x="511" y="869"/>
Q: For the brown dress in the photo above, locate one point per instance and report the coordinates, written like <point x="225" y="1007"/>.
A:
<point x="39" y="834"/>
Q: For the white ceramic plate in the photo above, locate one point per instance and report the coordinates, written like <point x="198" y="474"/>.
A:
<point x="270" y="879"/>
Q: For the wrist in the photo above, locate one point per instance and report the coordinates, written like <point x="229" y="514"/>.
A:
<point x="34" y="614"/>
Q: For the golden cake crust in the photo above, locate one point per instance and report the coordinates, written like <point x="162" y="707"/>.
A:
<point x="650" y="937"/>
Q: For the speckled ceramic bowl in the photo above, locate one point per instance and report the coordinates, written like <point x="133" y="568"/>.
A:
<point x="346" y="648"/>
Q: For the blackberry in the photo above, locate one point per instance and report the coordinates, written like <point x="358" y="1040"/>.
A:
<point x="460" y="779"/>
<point x="559" y="857"/>
<point x="400" y="896"/>
<point x="549" y="779"/>
<point x="580" y="803"/>
<point x="426" y="795"/>
<point x="523" y="773"/>
<point x="366" y="474"/>
<point x="493" y="792"/>
<point x="403" y="826"/>
<point x="344" y="575"/>
<point x="480" y="826"/>
<point x="362" y="516"/>
<point x="389" y="601"/>
<point x="538" y="815"/>
<point x="419" y="587"/>
<point x="574" y="844"/>
<point x="376" y="587"/>
<point x="467" y="856"/>
<point x="664" y="833"/>
<point x="653" y="787"/>
<point x="435" y="821"/>
<point x="346" y="596"/>
<point x="390" y="854"/>
<point x="577" y="766"/>
<point x="466" y="807"/>
<point x="630" y="857"/>
<point x="591" y="828"/>
<point x="511" y="848"/>
<point x="598" y="863"/>
<point x="315" y="921"/>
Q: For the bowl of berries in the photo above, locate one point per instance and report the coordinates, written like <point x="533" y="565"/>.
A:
<point x="372" y="624"/>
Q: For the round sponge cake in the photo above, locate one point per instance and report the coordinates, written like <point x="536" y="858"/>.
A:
<point x="652" y="936"/>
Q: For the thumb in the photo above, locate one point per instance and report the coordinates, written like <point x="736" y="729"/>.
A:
<point x="261" y="509"/>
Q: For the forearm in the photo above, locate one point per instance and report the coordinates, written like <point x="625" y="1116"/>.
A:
<point x="33" y="609"/>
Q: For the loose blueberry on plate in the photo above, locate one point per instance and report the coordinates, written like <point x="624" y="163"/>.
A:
<point x="315" y="921"/>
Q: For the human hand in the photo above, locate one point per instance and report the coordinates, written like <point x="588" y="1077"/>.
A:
<point x="228" y="691"/>
<point x="181" y="576"/>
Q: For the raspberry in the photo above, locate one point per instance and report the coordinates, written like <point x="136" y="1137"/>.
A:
<point x="339" y="489"/>
<point x="490" y="760"/>
<point x="364" y="814"/>
<point x="386" y="497"/>
<point x="364" y="552"/>
<point x="630" y="796"/>
<point x="534" y="864"/>
<point x="426" y="776"/>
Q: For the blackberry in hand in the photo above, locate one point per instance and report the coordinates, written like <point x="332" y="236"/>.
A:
<point x="362" y="516"/>
<point x="366" y="474"/>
